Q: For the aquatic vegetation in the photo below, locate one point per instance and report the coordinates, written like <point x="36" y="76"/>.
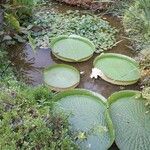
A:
<point x="88" y="117"/>
<point x="60" y="77"/>
<point x="129" y="116"/>
<point x="72" y="48"/>
<point x="117" y="69"/>
<point x="91" y="116"/>
<point x="36" y="118"/>
<point x="52" y="24"/>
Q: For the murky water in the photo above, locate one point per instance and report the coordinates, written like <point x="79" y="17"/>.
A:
<point x="30" y="64"/>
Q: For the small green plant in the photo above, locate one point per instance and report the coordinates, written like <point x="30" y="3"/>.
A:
<point x="15" y="13"/>
<point x="146" y="96"/>
<point x="144" y="61"/>
<point x="22" y="8"/>
<point x="27" y="120"/>
<point x="4" y="64"/>
<point x="50" y="24"/>
<point x="137" y="22"/>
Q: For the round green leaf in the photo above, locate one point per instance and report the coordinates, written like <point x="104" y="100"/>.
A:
<point x="72" y="48"/>
<point x="117" y="69"/>
<point x="88" y="117"/>
<point x="131" y="120"/>
<point x="60" y="77"/>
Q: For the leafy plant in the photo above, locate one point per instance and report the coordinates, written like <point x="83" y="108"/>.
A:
<point x="53" y="24"/>
<point x="99" y="121"/>
<point x="12" y="21"/>
<point x="144" y="61"/>
<point x="137" y="22"/>
<point x="88" y="117"/>
<point x="4" y="64"/>
<point x="130" y="116"/>
<point x="22" y="8"/>
<point x="146" y="96"/>
<point x="27" y="120"/>
<point x="15" y="13"/>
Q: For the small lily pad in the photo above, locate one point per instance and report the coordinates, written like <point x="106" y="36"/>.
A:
<point x="117" y="69"/>
<point x="60" y="77"/>
<point x="88" y="116"/>
<point x="72" y="48"/>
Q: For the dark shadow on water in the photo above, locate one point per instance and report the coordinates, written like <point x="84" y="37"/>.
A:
<point x="30" y="64"/>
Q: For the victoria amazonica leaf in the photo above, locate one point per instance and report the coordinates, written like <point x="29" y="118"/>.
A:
<point x="88" y="117"/>
<point x="117" y="69"/>
<point x="61" y="77"/>
<point x="131" y="120"/>
<point x="72" y="48"/>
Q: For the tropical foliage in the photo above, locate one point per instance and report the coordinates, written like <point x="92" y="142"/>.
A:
<point x="51" y="24"/>
<point x="137" y="22"/>
<point x="27" y="119"/>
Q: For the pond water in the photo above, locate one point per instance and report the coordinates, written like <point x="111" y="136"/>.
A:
<point x="30" y="64"/>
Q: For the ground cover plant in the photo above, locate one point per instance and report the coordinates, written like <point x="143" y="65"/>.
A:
<point x="50" y="24"/>
<point x="137" y="23"/>
<point x="27" y="120"/>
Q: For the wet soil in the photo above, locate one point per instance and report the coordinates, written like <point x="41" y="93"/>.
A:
<point x="89" y="4"/>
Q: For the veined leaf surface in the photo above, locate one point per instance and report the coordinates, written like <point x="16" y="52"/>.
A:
<point x="131" y="120"/>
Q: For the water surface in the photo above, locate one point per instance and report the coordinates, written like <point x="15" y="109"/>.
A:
<point x="30" y="64"/>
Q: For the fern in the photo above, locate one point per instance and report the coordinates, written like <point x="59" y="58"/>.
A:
<point x="25" y="7"/>
<point x="12" y="21"/>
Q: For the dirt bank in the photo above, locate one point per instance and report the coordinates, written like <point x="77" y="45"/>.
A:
<point x="91" y="4"/>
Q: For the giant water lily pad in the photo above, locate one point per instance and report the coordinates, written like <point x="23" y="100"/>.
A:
<point x="117" y="69"/>
<point x="131" y="120"/>
<point x="88" y="117"/>
<point x="61" y="77"/>
<point x="72" y="48"/>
